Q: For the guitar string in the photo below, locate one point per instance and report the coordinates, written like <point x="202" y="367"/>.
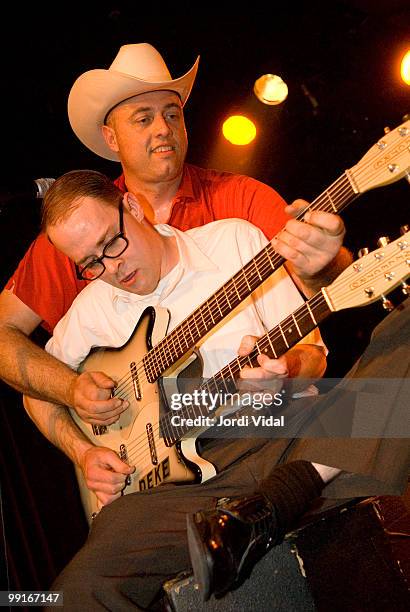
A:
<point x="238" y="362"/>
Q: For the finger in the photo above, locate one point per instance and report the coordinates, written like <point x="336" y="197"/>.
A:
<point x="102" y="380"/>
<point x="101" y="410"/>
<point x="105" y="499"/>
<point x="246" y="345"/>
<point x="278" y="367"/>
<point x="255" y="374"/>
<point x="112" y="460"/>
<point x="330" y="223"/>
<point x="297" y="207"/>
<point x="296" y="233"/>
<point x="94" y="484"/>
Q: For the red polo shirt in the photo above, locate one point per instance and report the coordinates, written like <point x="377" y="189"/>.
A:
<point x="45" y="279"/>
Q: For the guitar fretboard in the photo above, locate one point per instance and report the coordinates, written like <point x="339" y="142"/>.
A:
<point x="274" y="344"/>
<point x="186" y="335"/>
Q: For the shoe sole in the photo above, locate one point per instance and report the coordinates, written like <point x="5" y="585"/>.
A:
<point x="201" y="560"/>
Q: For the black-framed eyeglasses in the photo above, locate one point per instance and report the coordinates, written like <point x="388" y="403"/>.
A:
<point x="114" y="248"/>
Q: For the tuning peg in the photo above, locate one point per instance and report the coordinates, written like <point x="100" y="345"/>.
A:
<point x="404" y="229"/>
<point x="386" y="130"/>
<point x="383" y="241"/>
<point x="405" y="288"/>
<point x="387" y="304"/>
<point x="362" y="252"/>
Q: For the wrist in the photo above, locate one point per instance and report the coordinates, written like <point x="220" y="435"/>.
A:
<point x="71" y="390"/>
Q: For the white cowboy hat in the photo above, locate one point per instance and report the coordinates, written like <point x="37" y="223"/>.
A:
<point x="137" y="69"/>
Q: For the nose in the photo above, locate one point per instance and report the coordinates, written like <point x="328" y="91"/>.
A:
<point x="160" y="126"/>
<point x="112" y="265"/>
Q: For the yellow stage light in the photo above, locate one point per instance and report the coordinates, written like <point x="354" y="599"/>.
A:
<point x="270" y="89"/>
<point x="405" y="68"/>
<point x="239" y="130"/>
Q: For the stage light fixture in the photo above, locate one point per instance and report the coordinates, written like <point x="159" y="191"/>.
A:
<point x="405" y="68"/>
<point x="270" y="89"/>
<point x="239" y="130"/>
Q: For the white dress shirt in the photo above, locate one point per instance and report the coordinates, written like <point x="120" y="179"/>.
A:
<point x="103" y="315"/>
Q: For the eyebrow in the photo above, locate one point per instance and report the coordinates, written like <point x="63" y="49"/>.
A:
<point x="98" y="244"/>
<point x="144" y="109"/>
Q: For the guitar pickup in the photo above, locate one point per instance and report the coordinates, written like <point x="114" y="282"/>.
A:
<point x="151" y="442"/>
<point x="135" y="380"/>
<point x="123" y="455"/>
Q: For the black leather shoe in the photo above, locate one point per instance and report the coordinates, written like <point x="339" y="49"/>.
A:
<point x="225" y="543"/>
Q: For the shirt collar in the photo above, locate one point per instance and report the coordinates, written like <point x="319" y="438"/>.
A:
<point x="191" y="260"/>
<point x="185" y="189"/>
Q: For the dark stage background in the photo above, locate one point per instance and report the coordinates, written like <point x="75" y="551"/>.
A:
<point x="341" y="62"/>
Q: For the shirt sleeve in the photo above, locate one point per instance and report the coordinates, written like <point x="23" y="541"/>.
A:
<point x="81" y="328"/>
<point x="243" y="197"/>
<point x="46" y="282"/>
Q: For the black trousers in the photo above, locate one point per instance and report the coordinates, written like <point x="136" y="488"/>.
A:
<point x="139" y="541"/>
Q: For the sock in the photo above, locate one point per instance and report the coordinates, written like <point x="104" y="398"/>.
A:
<point x="290" y="488"/>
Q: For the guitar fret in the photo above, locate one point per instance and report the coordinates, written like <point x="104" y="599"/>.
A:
<point x="257" y="269"/>
<point x="203" y="319"/>
<point x="227" y="298"/>
<point x="271" y="346"/>
<point x="246" y="280"/>
<point x="217" y="303"/>
<point x="283" y="335"/>
<point x="190" y="331"/>
<point x="331" y="202"/>
<point x="197" y="328"/>
<point x="210" y="312"/>
<point x="297" y="326"/>
<point x="272" y="265"/>
<point x="155" y="361"/>
<point x="181" y="351"/>
<point x="311" y="313"/>
<point x="236" y="289"/>
<point x="171" y="339"/>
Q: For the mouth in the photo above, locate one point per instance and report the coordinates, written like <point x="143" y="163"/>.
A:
<point x="163" y="149"/>
<point x="129" y="279"/>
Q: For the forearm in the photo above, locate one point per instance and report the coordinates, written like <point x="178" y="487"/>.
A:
<point x="56" y="424"/>
<point x="309" y="285"/>
<point x="31" y="370"/>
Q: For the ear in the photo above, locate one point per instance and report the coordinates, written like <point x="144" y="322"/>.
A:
<point x="132" y="204"/>
<point x="110" y="137"/>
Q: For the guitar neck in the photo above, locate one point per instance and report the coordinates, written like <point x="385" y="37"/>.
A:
<point x="187" y="334"/>
<point x="274" y="344"/>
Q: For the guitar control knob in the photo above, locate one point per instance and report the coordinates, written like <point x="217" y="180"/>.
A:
<point x="404" y="229"/>
<point x="405" y="288"/>
<point x="362" y="252"/>
<point x="387" y="304"/>
<point x="383" y="241"/>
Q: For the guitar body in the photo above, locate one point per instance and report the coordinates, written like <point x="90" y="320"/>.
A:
<point x="135" y="437"/>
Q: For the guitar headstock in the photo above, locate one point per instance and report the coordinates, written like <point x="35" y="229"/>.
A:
<point x="372" y="276"/>
<point x="385" y="162"/>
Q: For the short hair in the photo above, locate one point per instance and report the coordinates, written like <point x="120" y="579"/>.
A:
<point x="64" y="196"/>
